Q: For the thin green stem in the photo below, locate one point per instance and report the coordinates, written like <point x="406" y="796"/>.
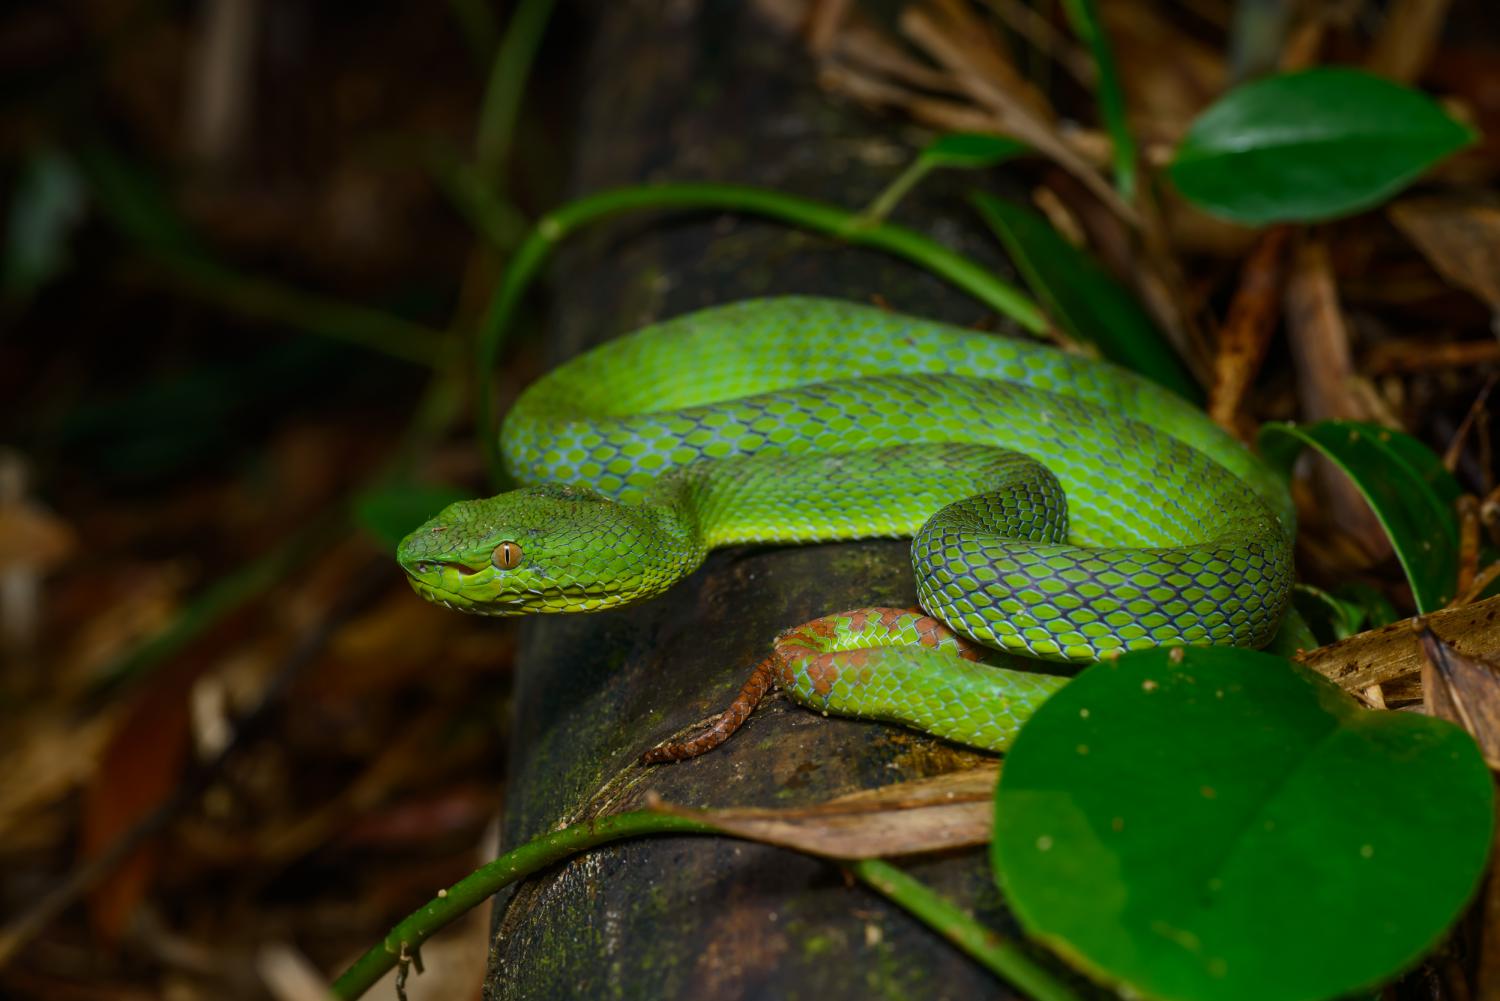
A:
<point x="558" y="225"/>
<point x="268" y="300"/>
<point x="483" y="883"/>
<point x="219" y="600"/>
<point x="1002" y="957"/>
<point x="1084" y="16"/>
<point x="507" y="84"/>
<point x="498" y="220"/>
<point x="888" y="199"/>
<point x="998" y="955"/>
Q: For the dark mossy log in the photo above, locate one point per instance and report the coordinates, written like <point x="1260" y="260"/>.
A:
<point x="683" y="90"/>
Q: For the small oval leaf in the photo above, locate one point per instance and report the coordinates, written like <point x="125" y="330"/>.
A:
<point x="1082" y="297"/>
<point x="972" y="150"/>
<point x="1404" y="483"/>
<point x="1311" y="145"/>
<point x="1217" y="824"/>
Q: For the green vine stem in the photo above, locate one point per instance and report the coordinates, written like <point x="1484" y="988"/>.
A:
<point x="518" y="863"/>
<point x="507" y="84"/>
<point x="402" y="944"/>
<point x="998" y="955"/>
<point x="820" y="217"/>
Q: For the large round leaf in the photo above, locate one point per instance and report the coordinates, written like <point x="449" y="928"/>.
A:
<point x="1218" y="824"/>
<point x="1311" y="145"/>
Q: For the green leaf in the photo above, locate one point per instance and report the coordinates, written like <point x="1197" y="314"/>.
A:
<point x="971" y="150"/>
<point x="1082" y="297"/>
<point x="1404" y="483"/>
<point x="1311" y="145"/>
<point x="1350" y="608"/>
<point x="961" y="150"/>
<point x="1217" y="824"/>
<point x="1083" y="15"/>
<point x="390" y="513"/>
<point x="47" y="207"/>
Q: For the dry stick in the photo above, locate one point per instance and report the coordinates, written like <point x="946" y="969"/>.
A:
<point x="1407" y="39"/>
<point x="1415" y="354"/>
<point x="1476" y="409"/>
<point x="1482" y="580"/>
<point x="1029" y="23"/>
<point x="1247" y="328"/>
<point x="1012" y="116"/>
<point x="952" y="116"/>
<point x="1489" y="512"/>
<point x="988" y="54"/>
<point x="1390" y="652"/>
<point x="823" y="24"/>
<point x="1468" y="545"/>
<point x="861" y="43"/>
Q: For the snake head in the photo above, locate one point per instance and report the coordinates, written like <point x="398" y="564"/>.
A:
<point x="547" y="548"/>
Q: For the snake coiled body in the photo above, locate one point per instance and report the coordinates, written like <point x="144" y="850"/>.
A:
<point x="1061" y="508"/>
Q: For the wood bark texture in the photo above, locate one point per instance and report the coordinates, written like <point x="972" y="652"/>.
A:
<point x="679" y="90"/>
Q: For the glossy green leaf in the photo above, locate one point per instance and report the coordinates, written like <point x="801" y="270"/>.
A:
<point x="1404" y="483"/>
<point x="971" y="150"/>
<point x="1083" y="15"/>
<point x="1217" y="824"/>
<point x="391" y="512"/>
<point x="1311" y="145"/>
<point x="1082" y="298"/>
<point x="960" y="150"/>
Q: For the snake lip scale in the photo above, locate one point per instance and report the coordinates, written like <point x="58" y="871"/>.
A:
<point x="1060" y="507"/>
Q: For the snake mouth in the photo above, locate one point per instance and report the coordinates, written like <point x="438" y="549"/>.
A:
<point x="460" y="602"/>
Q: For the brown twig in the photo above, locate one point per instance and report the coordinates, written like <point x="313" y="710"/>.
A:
<point x="1474" y="417"/>
<point x="1419" y="354"/>
<point x="1405" y="43"/>
<point x="1013" y="116"/>
<point x="1247" y="328"/>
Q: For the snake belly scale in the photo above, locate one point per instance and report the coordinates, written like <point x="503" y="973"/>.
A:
<point x="1061" y="508"/>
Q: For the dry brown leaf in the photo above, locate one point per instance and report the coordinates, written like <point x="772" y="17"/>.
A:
<point x="1381" y="655"/>
<point x="1458" y="236"/>
<point x="47" y="755"/>
<point x="1463" y="689"/>
<point x="955" y="810"/>
<point x="1327" y="384"/>
<point x="138" y="771"/>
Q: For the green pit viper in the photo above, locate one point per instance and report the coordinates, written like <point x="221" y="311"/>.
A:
<point x="1061" y="508"/>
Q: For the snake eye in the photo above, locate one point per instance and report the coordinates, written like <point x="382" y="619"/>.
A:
<point x="507" y="556"/>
